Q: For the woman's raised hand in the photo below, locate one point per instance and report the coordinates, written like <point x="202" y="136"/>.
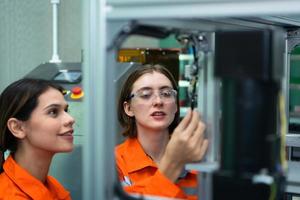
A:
<point x="187" y="144"/>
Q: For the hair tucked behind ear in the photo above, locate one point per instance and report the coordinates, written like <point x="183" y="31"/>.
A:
<point x="18" y="101"/>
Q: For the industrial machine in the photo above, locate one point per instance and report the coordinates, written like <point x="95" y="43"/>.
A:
<point x="252" y="166"/>
<point x="233" y="93"/>
<point x="250" y="93"/>
<point x="236" y="61"/>
<point x="261" y="72"/>
<point x="293" y="136"/>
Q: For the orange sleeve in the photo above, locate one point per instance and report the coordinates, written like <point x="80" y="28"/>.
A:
<point x="157" y="185"/>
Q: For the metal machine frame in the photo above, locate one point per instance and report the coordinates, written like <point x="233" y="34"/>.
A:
<point x="292" y="140"/>
<point x="102" y="21"/>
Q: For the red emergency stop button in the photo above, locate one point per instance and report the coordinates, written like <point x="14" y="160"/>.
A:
<point x="77" y="93"/>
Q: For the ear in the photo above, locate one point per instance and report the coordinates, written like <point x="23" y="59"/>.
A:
<point x="16" y="128"/>
<point x="127" y="109"/>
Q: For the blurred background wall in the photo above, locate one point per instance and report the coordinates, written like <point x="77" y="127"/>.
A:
<point x="26" y="35"/>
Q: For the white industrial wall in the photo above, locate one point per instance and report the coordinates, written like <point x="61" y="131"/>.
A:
<point x="26" y="35"/>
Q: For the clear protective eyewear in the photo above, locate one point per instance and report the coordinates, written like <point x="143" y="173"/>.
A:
<point x="147" y="95"/>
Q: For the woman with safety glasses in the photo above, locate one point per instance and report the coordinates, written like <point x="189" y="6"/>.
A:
<point x="151" y="160"/>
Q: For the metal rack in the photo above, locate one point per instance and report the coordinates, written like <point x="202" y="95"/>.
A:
<point x="292" y="139"/>
<point x="103" y="20"/>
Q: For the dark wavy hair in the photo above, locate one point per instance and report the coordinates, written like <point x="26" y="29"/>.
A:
<point x="128" y="123"/>
<point x="18" y="100"/>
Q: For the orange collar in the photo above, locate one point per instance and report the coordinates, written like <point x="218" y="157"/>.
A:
<point x="135" y="156"/>
<point x="30" y="185"/>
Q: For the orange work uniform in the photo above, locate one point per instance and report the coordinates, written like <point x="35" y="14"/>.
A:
<point x="17" y="184"/>
<point x="139" y="174"/>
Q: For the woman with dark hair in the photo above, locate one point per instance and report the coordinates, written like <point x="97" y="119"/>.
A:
<point x="151" y="160"/>
<point x="34" y="125"/>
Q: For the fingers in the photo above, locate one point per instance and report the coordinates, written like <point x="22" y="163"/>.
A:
<point x="192" y="126"/>
<point x="203" y="149"/>
<point x="198" y="134"/>
<point x="184" y="122"/>
<point x="200" y="151"/>
<point x="189" y="124"/>
<point x="199" y="143"/>
<point x="190" y="135"/>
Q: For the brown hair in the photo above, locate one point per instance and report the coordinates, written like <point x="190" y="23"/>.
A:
<point x="18" y="100"/>
<point x="128" y="123"/>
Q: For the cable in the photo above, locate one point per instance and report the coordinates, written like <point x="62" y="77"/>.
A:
<point x="196" y="42"/>
<point x="283" y="129"/>
<point x="272" y="191"/>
